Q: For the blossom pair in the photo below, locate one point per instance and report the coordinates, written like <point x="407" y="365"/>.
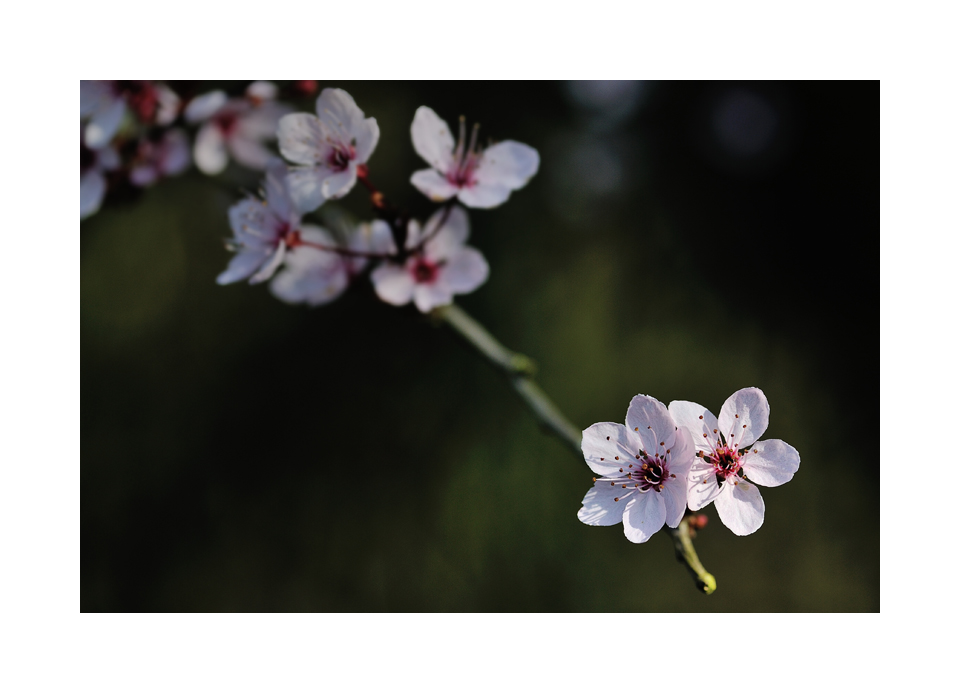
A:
<point x="666" y="460"/>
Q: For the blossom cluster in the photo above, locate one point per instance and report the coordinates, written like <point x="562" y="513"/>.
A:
<point x="666" y="460"/>
<point x="326" y="155"/>
<point x="137" y="132"/>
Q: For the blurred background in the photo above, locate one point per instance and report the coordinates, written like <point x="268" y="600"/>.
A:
<point x="681" y="240"/>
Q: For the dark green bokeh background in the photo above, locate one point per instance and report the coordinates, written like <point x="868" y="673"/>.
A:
<point x="242" y="454"/>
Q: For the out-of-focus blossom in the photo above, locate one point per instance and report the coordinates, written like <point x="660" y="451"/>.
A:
<point x="478" y="178"/>
<point x="438" y="266"/>
<point x="728" y="458"/>
<point x="262" y="230"/>
<point x="102" y="102"/>
<point x="327" y="147"/>
<point x="167" y="156"/>
<point x="93" y="183"/>
<point x="235" y="127"/>
<point x="316" y="276"/>
<point x="640" y="489"/>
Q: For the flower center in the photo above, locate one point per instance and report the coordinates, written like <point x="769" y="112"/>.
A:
<point x="341" y="156"/>
<point x="725" y="461"/>
<point x="226" y="122"/>
<point x="424" y="271"/>
<point x="465" y="158"/>
<point x="652" y="473"/>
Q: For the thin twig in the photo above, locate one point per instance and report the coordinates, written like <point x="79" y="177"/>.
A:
<point x="520" y="370"/>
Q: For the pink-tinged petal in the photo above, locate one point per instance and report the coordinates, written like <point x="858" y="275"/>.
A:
<point x="251" y="224"/>
<point x="366" y="135"/>
<point x="644" y="516"/>
<point x="465" y="270"/>
<point x="429" y="296"/>
<point x="276" y="192"/>
<point x="271" y="265"/>
<point x="261" y="123"/>
<point x="302" y="139"/>
<point x="143" y="176"/>
<point x="674" y="499"/>
<point x="319" y="235"/>
<point x="609" y="447"/>
<point x="375" y="237"/>
<point x="510" y="164"/>
<point x="414" y="234"/>
<point x="650" y="419"/>
<point x="311" y="276"/>
<point x="451" y="236"/>
<point x="393" y="284"/>
<point x="93" y="186"/>
<point x="176" y="155"/>
<point x="433" y="141"/>
<point x="209" y="150"/>
<point x="306" y="187"/>
<point x="104" y="124"/>
<point x="241" y="266"/>
<point x="204" y="106"/>
<point x="771" y="462"/>
<point x="484" y="195"/>
<point x="250" y="153"/>
<point x="338" y="184"/>
<point x="263" y="91"/>
<point x="340" y="113"/>
<point x="740" y="507"/>
<point x="744" y="417"/>
<point x="433" y="185"/>
<point x="682" y="454"/>
<point x="702" y="486"/>
<point x="599" y="507"/>
<point x="698" y="421"/>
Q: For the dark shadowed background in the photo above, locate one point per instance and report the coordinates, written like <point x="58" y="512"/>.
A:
<point x="680" y="240"/>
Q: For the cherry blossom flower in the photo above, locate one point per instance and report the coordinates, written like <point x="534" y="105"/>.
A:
<point x="641" y="490"/>
<point x="263" y="230"/>
<point x="437" y="264"/>
<point x="169" y="155"/>
<point x="235" y="127"/>
<point x="106" y="102"/>
<point x="93" y="183"/>
<point x="316" y="276"/>
<point x="478" y="178"/>
<point x="328" y="148"/>
<point x="729" y="458"/>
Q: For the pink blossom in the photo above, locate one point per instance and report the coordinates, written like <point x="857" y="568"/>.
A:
<point x="643" y="469"/>
<point x="437" y="264"/>
<point x="730" y="461"/>
<point x="327" y="148"/>
<point x="235" y="127"/>
<point x="478" y="178"/>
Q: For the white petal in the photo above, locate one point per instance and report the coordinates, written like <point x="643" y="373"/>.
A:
<point x="265" y="91"/>
<point x="433" y="184"/>
<point x="744" y="417"/>
<point x="338" y="184"/>
<point x="373" y="238"/>
<point x="603" y="443"/>
<point x="209" y="150"/>
<point x="393" y="284"/>
<point x="366" y="135"/>
<point x="483" y="195"/>
<point x="652" y="422"/>
<point x="204" y="106"/>
<point x="644" y="516"/>
<point x="674" y="499"/>
<point x="429" y="296"/>
<point x="277" y="195"/>
<point x="510" y="164"/>
<point x="306" y="187"/>
<point x="771" y="462"/>
<point x="466" y="270"/>
<point x="740" y="507"/>
<point x="311" y="276"/>
<point x="340" y="113"/>
<point x="698" y="420"/>
<point x="451" y="236"/>
<point x="260" y="123"/>
<point x="302" y="139"/>
<point x="93" y="186"/>
<point x="702" y="487"/>
<point x="252" y="225"/>
<point x="241" y="266"/>
<point x="104" y="124"/>
<point x="249" y="152"/>
<point x="599" y="507"/>
<point x="176" y="153"/>
<point x="433" y="141"/>
<point x="271" y="266"/>
<point x="682" y="454"/>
